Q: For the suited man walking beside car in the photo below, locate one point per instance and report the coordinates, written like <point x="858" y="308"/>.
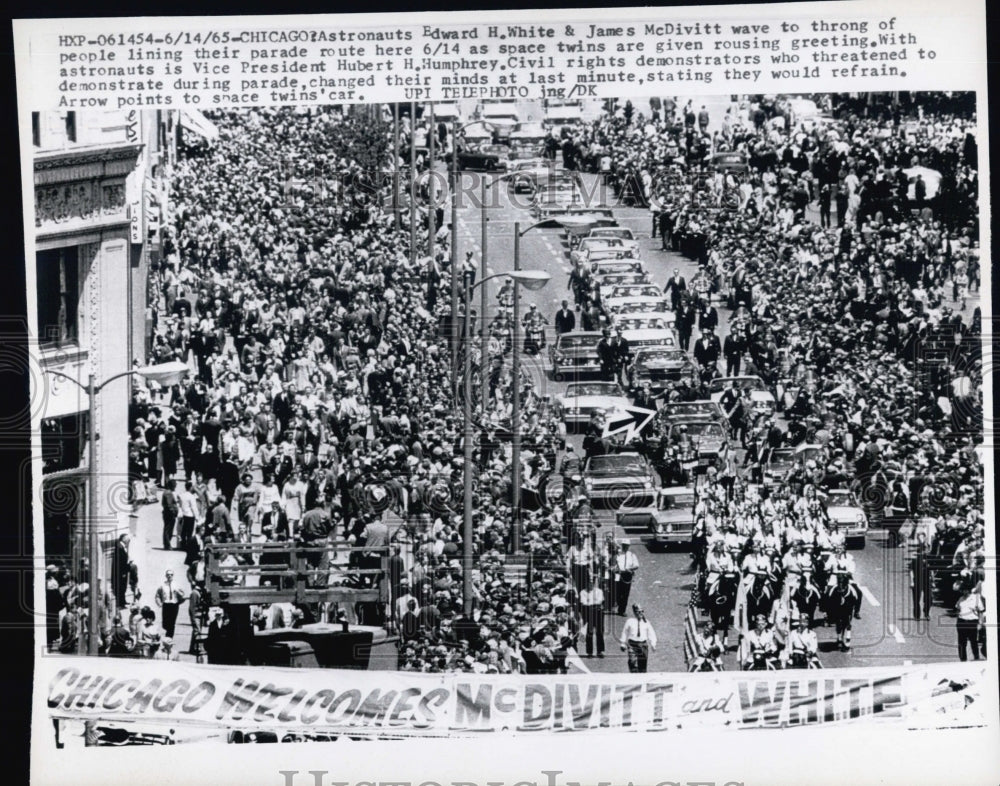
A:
<point x="565" y="320"/>
<point x="675" y="286"/>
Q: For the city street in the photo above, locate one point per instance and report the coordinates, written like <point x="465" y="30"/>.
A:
<point x="886" y="633"/>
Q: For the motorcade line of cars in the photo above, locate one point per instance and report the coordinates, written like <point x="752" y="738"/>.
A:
<point x="624" y="479"/>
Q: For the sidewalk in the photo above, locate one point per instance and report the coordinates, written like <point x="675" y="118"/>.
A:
<point x="146" y="550"/>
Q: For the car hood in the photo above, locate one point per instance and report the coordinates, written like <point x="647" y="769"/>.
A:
<point x="844" y="513"/>
<point x="673" y="515"/>
<point x="661" y="363"/>
<point x="576" y="351"/>
<point x="611" y="480"/>
<point x="756" y="396"/>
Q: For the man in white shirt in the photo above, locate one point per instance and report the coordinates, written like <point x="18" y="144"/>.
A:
<point x="188" y="508"/>
<point x="970" y="609"/>
<point x="638" y="638"/>
<point x="592" y="607"/>
<point x="625" y="570"/>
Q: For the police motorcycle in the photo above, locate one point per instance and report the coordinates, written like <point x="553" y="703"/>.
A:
<point x="534" y="331"/>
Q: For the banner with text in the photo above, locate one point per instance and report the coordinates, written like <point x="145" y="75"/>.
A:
<point x="401" y="703"/>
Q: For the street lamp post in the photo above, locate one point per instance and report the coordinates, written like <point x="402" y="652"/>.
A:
<point x="165" y="373"/>
<point x="532" y="279"/>
<point x="453" y="331"/>
<point x="515" y="412"/>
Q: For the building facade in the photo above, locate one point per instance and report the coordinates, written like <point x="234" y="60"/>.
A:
<point x="96" y="184"/>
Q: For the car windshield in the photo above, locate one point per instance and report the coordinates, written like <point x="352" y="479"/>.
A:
<point x="620" y="232"/>
<point x="644" y="307"/>
<point x="699" y="430"/>
<point x="593" y="389"/>
<point x="571" y="342"/>
<point x="783" y="456"/>
<point x="743" y="383"/>
<point x="676" y="501"/>
<point x="495" y="149"/>
<point x="841" y="498"/>
<point x="689" y="408"/>
<point x="635" y="290"/>
<point x="616" y="464"/>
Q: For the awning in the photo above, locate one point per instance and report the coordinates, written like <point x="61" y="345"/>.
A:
<point x="195" y="121"/>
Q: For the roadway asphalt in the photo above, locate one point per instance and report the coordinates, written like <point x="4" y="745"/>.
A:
<point x="886" y="634"/>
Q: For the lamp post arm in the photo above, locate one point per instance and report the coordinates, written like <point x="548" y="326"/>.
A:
<point x="67" y="377"/>
<point x="484" y="280"/>
<point x="526" y="230"/>
<point x="113" y="378"/>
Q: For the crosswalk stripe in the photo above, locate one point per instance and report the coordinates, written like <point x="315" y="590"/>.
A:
<point x="869" y="597"/>
<point x="897" y="635"/>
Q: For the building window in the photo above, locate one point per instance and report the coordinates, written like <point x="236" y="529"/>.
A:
<point x="36" y="129"/>
<point x="64" y="440"/>
<point x="71" y="126"/>
<point x="63" y="508"/>
<point x="58" y="287"/>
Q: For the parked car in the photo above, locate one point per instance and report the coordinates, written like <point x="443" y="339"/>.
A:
<point x="669" y="520"/>
<point x="623" y="233"/>
<point x="779" y="466"/>
<point x="527" y="140"/>
<point x="637" y="305"/>
<point x="661" y="338"/>
<point x="488" y="158"/>
<point x="701" y="443"/>
<point x="660" y="367"/>
<point x="575" y="353"/>
<point x="528" y="174"/>
<point x="652" y="321"/>
<point x="607" y="245"/>
<point x="582" y="399"/>
<point x="847" y="517"/>
<point x="616" y="479"/>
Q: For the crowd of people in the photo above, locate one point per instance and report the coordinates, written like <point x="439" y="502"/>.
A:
<point x="860" y="325"/>
<point x="320" y="407"/>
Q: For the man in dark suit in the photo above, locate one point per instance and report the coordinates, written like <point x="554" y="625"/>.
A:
<point x="686" y="315"/>
<point x="645" y="398"/>
<point x="707" y="349"/>
<point x="622" y="354"/>
<point x="675" y="286"/>
<point x="229" y="478"/>
<point x="733" y="349"/>
<point x="274" y="521"/>
<point x="280" y="467"/>
<point x="708" y="319"/>
<point x="606" y="354"/>
<point x="565" y="319"/>
<point x="282" y="407"/>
